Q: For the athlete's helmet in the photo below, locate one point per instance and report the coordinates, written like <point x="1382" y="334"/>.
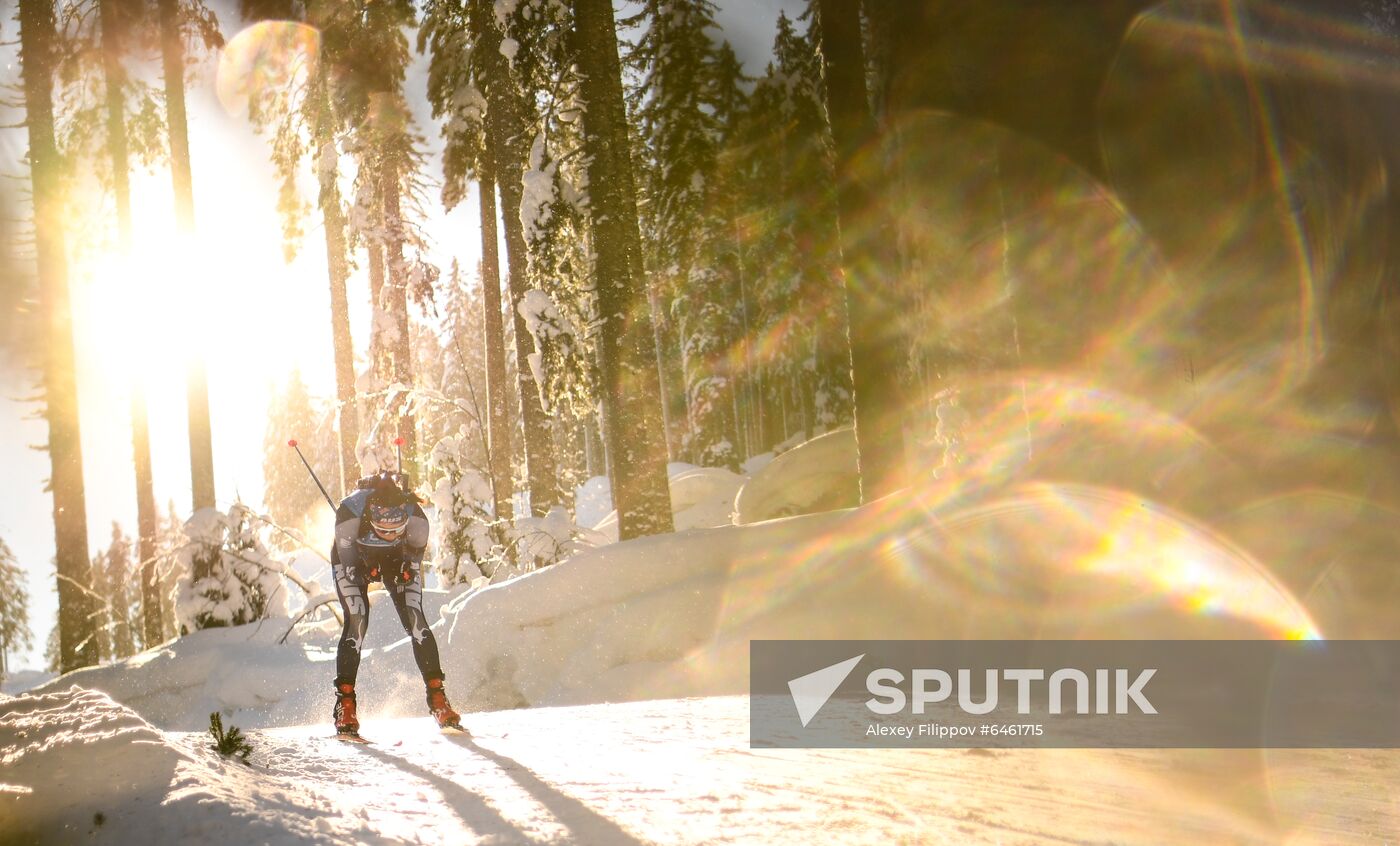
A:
<point x="388" y="518"/>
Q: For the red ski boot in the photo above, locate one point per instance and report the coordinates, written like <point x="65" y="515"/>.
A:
<point x="440" y="708"/>
<point x="346" y="725"/>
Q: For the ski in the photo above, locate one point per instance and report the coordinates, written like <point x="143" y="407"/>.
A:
<point x="347" y="737"/>
<point x="454" y="730"/>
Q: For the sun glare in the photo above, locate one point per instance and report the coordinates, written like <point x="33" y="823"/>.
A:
<point x="142" y="310"/>
<point x="223" y="297"/>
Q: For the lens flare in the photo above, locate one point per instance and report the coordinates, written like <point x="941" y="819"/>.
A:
<point x="267" y="59"/>
<point x="1242" y="136"/>
<point x="1036" y="561"/>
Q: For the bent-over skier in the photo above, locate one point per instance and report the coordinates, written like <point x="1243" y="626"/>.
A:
<point x="381" y="534"/>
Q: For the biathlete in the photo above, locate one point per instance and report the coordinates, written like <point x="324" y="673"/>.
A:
<point x="381" y="534"/>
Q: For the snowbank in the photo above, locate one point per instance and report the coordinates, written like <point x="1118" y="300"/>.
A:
<point x="21" y="680"/>
<point x="78" y="766"/>
<point x="664" y="771"/>
<point x="592" y="501"/>
<point x="701" y="497"/>
<point x="819" y="475"/>
<point x="673" y="615"/>
<point x="76" y="762"/>
<point x="254" y="681"/>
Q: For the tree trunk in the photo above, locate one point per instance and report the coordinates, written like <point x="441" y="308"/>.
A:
<point x="540" y="462"/>
<point x="397" y="301"/>
<point x="114" y="75"/>
<point x="658" y="345"/>
<point x="145" y="523"/>
<point x="871" y="306"/>
<point x="497" y="411"/>
<point x="714" y="438"/>
<point x="630" y="392"/>
<point x="502" y="131"/>
<point x="378" y="356"/>
<point x="77" y="647"/>
<point x="173" y="62"/>
<point x="338" y="271"/>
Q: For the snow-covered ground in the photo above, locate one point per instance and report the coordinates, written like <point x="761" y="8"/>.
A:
<point x="605" y="695"/>
<point x="22" y="680"/>
<point x="80" y="768"/>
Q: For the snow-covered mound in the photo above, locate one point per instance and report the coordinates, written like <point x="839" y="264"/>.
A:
<point x="254" y="680"/>
<point x="79" y="767"/>
<point x="592" y="501"/>
<point x="21" y="680"/>
<point x="701" y="498"/>
<point x="673" y="615"/>
<point x="819" y="475"/>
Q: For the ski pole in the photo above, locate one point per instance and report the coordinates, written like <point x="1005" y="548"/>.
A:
<point x="398" y="451"/>
<point x="293" y="444"/>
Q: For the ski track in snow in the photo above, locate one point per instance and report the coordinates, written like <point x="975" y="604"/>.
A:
<point x="679" y="771"/>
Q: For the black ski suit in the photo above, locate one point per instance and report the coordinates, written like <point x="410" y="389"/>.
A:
<point x="358" y="557"/>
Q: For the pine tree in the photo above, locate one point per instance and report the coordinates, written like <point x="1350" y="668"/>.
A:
<point x="112" y="573"/>
<point x="876" y="364"/>
<point x="460" y="363"/>
<point x="111" y="122"/>
<point x="678" y="113"/>
<point x="170" y="534"/>
<point x="352" y="102"/>
<point x="483" y="95"/>
<point x="810" y="198"/>
<point x="770" y="293"/>
<point x="724" y="247"/>
<point x="180" y="22"/>
<point x="315" y="117"/>
<point x="557" y="233"/>
<point x="15" y="633"/>
<point x="453" y="75"/>
<point x="630" y="393"/>
<point x="372" y="52"/>
<point x="53" y="661"/>
<point x="776" y="164"/>
<point x="37" y="45"/>
<point x="498" y="402"/>
<point x="118" y="21"/>
<point x="101" y="616"/>
<point x="506" y="119"/>
<point x="229" y="576"/>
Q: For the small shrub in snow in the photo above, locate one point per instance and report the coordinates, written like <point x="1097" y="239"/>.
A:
<point x="231" y="742"/>
<point x="229" y="578"/>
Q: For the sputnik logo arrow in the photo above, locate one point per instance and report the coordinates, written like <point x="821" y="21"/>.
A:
<point x="810" y="692"/>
